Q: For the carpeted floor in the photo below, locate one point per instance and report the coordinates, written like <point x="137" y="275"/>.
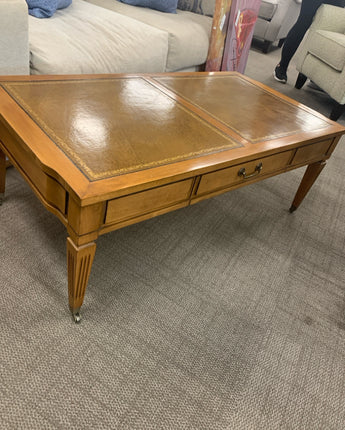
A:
<point x="226" y="315"/>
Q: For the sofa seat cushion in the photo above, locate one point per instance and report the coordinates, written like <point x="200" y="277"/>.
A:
<point x="189" y="33"/>
<point x="268" y="9"/>
<point x="85" y="38"/>
<point x="329" y="47"/>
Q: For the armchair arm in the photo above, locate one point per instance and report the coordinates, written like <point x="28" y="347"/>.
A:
<point x="330" y="18"/>
<point x="14" y="38"/>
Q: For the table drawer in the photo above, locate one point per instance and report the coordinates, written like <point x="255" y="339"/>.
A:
<point x="144" y="202"/>
<point x="227" y="177"/>
<point x="313" y="151"/>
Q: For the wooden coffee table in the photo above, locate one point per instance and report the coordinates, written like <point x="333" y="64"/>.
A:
<point x="102" y="152"/>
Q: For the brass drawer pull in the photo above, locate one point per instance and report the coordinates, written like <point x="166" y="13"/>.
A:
<point x="242" y="172"/>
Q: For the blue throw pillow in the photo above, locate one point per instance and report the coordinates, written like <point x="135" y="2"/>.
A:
<point x="162" y="5"/>
<point x="46" y="8"/>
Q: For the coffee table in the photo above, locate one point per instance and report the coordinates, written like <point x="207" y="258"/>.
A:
<point x="105" y="151"/>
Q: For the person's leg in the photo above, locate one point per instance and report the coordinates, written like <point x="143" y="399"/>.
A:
<point x="297" y="32"/>
<point x="295" y="36"/>
<point x="340" y="3"/>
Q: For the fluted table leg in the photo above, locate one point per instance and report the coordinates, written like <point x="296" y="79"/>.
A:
<point x="79" y="263"/>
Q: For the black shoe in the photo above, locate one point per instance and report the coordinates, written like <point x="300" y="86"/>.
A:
<point x="280" y="75"/>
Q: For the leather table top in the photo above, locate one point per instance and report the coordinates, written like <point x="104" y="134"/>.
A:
<point x="113" y="125"/>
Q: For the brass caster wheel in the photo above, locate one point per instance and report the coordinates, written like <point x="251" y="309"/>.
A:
<point x="76" y="317"/>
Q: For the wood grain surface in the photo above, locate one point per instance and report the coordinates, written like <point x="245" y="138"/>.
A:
<point x="105" y="151"/>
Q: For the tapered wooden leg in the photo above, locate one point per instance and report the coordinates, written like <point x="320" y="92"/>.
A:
<point x="266" y="46"/>
<point x="281" y="42"/>
<point x="337" y="111"/>
<point x="310" y="176"/>
<point x="79" y="262"/>
<point x="2" y="175"/>
<point x="301" y="80"/>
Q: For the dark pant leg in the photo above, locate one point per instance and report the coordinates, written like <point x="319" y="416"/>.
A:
<point x="340" y="3"/>
<point x="295" y="35"/>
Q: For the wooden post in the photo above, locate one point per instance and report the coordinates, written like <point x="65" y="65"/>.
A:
<point x="218" y="34"/>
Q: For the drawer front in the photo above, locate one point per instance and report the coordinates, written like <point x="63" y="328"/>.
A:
<point x="312" y="152"/>
<point x="230" y="176"/>
<point x="144" y="202"/>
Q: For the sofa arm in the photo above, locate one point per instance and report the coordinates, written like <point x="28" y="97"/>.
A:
<point x="209" y="6"/>
<point x="331" y="18"/>
<point x="283" y="19"/>
<point x="14" y="38"/>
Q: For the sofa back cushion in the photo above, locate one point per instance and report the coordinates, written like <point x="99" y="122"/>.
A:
<point x="46" y="8"/>
<point x="203" y="7"/>
<point x="168" y="6"/>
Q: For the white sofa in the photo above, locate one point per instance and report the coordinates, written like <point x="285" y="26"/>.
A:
<point x="275" y="19"/>
<point x="101" y="36"/>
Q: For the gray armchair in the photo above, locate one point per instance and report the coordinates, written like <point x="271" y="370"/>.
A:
<point x="321" y="55"/>
<point x="275" y="19"/>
